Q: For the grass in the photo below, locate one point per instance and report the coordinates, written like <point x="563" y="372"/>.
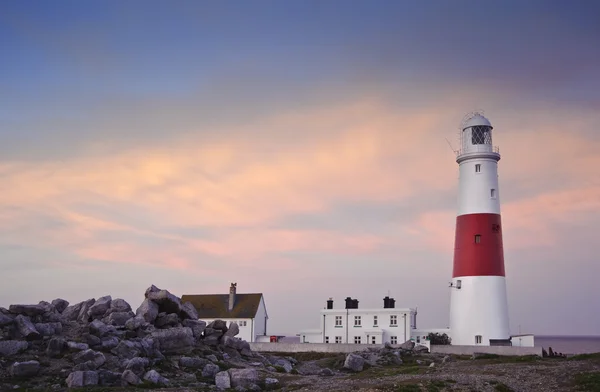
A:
<point x="495" y="358"/>
<point x="388" y="371"/>
<point x="335" y="362"/>
<point x="585" y="357"/>
<point x="589" y="382"/>
<point x="503" y="388"/>
<point x="305" y="356"/>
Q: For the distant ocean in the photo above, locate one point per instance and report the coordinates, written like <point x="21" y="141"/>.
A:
<point x="569" y="344"/>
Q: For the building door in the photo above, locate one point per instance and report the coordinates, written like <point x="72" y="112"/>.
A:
<point x="374" y="339"/>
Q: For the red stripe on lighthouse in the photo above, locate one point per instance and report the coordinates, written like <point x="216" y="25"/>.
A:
<point x="478" y="249"/>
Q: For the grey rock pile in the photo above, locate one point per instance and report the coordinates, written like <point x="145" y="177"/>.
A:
<point x="55" y="345"/>
<point x="388" y="355"/>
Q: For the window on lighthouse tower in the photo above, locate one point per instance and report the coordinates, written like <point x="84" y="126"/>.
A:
<point x="480" y="134"/>
<point x="478" y="168"/>
<point x="477" y="238"/>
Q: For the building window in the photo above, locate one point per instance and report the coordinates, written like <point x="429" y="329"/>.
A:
<point x="393" y="321"/>
<point x="374" y="321"/>
<point x="326" y="339"/>
<point x="357" y="340"/>
<point x="394" y="339"/>
<point x="477" y="238"/>
<point x="493" y="193"/>
<point x="478" y="168"/>
<point x="357" y="321"/>
<point x="458" y="284"/>
<point x="418" y="339"/>
<point x="373" y="340"/>
<point x="338" y="339"/>
<point x="338" y="321"/>
<point x="478" y="339"/>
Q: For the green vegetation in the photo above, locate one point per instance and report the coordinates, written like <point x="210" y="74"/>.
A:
<point x="503" y="388"/>
<point x="494" y="358"/>
<point x="589" y="382"/>
<point x="336" y="362"/>
<point x="305" y="356"/>
<point x="439" y="339"/>
<point x="585" y="357"/>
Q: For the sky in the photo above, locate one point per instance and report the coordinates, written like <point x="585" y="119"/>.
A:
<point x="302" y="149"/>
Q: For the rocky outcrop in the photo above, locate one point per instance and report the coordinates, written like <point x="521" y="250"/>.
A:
<point x="103" y="342"/>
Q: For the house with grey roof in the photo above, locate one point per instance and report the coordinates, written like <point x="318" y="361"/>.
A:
<point x="247" y="310"/>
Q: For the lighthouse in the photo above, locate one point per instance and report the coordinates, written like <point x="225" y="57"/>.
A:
<point x="478" y="302"/>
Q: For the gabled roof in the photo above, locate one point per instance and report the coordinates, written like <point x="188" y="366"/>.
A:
<point x="214" y="306"/>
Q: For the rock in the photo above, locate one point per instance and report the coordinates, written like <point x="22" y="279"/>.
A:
<point x="218" y="325"/>
<point x="326" y="372"/>
<point x="271" y="383"/>
<point x="151" y="348"/>
<point x="83" y="316"/>
<point x="126" y="349"/>
<point x="419" y="348"/>
<point x="25" y="369"/>
<point x="354" y="362"/>
<point x="49" y="329"/>
<point x="167" y="320"/>
<point x="130" y="378"/>
<point x="223" y="380"/>
<point x="212" y="358"/>
<point x="72" y="312"/>
<point x="210" y="370"/>
<point x="233" y="330"/>
<point x="75" y="346"/>
<point x="446" y="359"/>
<point x="12" y="347"/>
<point x="57" y="347"/>
<point x="99" y="329"/>
<point x="166" y="301"/>
<point x="174" y="340"/>
<point x="92" y="340"/>
<point x="97" y="358"/>
<point x="192" y="362"/>
<point x="137" y="365"/>
<point x="188" y="312"/>
<point x="408" y="345"/>
<point x="148" y="310"/>
<point x="151" y="289"/>
<point x="197" y="326"/>
<point x="99" y="307"/>
<point x="284" y="363"/>
<point x="26" y="328"/>
<point x="119" y="318"/>
<point x="60" y="304"/>
<point x="108" y="378"/>
<point x="212" y="336"/>
<point x="432" y="364"/>
<point x="27" y="310"/>
<point x="120" y="306"/>
<point x="82" y="379"/>
<point x="135" y="323"/>
<point x="5" y="320"/>
<point x="109" y="343"/>
<point x="155" y="378"/>
<point x="243" y="377"/>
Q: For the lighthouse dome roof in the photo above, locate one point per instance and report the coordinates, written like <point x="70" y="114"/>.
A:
<point x="475" y="120"/>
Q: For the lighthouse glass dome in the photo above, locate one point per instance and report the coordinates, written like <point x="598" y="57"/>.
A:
<point x="476" y="136"/>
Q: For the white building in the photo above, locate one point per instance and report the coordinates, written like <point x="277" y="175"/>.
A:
<point x="363" y="326"/>
<point x="247" y="310"/>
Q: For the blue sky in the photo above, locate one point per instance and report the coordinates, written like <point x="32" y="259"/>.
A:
<point x="297" y="148"/>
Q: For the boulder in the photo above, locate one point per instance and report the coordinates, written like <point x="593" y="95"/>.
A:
<point x="119" y="318"/>
<point x="354" y="362"/>
<point x="210" y="370"/>
<point x="119" y="305"/>
<point x="271" y="383"/>
<point x="137" y="365"/>
<point x="26" y="328"/>
<point x="166" y="301"/>
<point x="49" y="329"/>
<point x="148" y="310"/>
<point x="188" y="312"/>
<point x="57" y="347"/>
<point x="192" y="362"/>
<point x="197" y="327"/>
<point x="326" y="372"/>
<point x="233" y="330"/>
<point x="99" y="307"/>
<point x="150" y="348"/>
<point x="135" y="323"/>
<point x="130" y="378"/>
<point x="155" y="378"/>
<point x="284" y="363"/>
<point x="83" y="316"/>
<point x="408" y="345"/>
<point x="219" y="325"/>
<point x="12" y="347"/>
<point x="72" y="312"/>
<point x="174" y="340"/>
<point x="99" y="329"/>
<point x="60" y="304"/>
<point x="27" y="310"/>
<point x="76" y="346"/>
<point x="109" y="378"/>
<point x="419" y="348"/>
<point x="97" y="358"/>
<point x="25" y="369"/>
<point x="243" y="377"/>
<point x="223" y="380"/>
<point x="109" y="343"/>
<point x="165" y="320"/>
<point x="126" y="349"/>
<point x="5" y="320"/>
<point x="151" y="289"/>
<point x="82" y="379"/>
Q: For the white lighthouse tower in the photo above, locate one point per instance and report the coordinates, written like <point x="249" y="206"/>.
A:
<point x="478" y="303"/>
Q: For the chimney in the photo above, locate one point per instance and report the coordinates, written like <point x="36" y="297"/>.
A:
<point x="348" y="303"/>
<point x="386" y="302"/>
<point x="354" y="304"/>
<point x="392" y="303"/>
<point x="330" y="303"/>
<point x="232" y="296"/>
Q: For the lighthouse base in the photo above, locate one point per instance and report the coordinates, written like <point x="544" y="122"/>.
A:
<point x="478" y="310"/>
